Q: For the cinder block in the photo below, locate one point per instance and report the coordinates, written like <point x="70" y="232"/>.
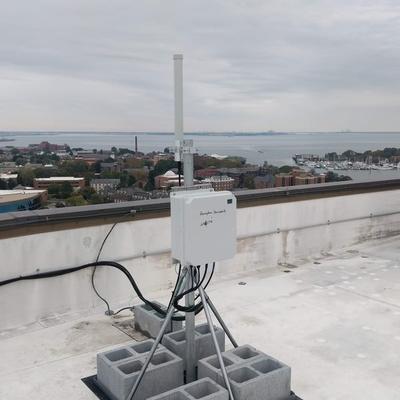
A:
<point x="205" y="345"/>
<point x="176" y="341"/>
<point x="150" y="321"/>
<point x="164" y="373"/>
<point x="107" y="359"/>
<point x="236" y="357"/>
<point x="120" y="355"/>
<point x="209" y="367"/>
<point x="276" y="378"/>
<point x="204" y="389"/>
<point x="253" y="375"/>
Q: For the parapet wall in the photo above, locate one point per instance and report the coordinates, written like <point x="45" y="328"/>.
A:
<point x="268" y="235"/>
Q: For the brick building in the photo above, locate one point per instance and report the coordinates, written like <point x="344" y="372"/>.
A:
<point x="220" y="182"/>
<point x="44" y="183"/>
<point x="298" y="177"/>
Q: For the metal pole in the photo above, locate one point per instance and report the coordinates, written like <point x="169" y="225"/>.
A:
<point x="190" y="350"/>
<point x="181" y="152"/>
<point x="188" y="167"/>
<point x="159" y="336"/>
<point x="221" y="321"/>
<point x="214" y="338"/>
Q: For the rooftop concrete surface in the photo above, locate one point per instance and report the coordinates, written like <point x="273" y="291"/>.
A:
<point x="335" y="319"/>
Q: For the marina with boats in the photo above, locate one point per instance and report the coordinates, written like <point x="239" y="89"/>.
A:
<point x="312" y="161"/>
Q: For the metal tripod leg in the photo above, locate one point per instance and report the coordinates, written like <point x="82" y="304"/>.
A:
<point x="160" y="335"/>
<point x="221" y="321"/>
<point x="214" y="338"/>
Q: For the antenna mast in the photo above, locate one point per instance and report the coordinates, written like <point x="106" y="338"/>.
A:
<point x="184" y="151"/>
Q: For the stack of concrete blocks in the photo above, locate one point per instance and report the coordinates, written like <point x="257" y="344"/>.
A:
<point x="204" y="345"/>
<point x="149" y="321"/>
<point x="253" y="375"/>
<point x="117" y="371"/>
<point x="204" y="389"/>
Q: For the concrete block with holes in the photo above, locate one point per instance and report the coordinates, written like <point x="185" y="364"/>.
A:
<point x="205" y="389"/>
<point x="150" y="321"/>
<point x="252" y="374"/>
<point x="165" y="372"/>
<point x="176" y="341"/>
<point x="108" y="359"/>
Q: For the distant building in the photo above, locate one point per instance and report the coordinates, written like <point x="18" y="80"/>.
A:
<point x="264" y="181"/>
<point x="161" y="156"/>
<point x="63" y="154"/>
<point x="169" y="179"/>
<point x="283" y="180"/>
<point x="44" y="183"/>
<point x="8" y="177"/>
<point x="8" y="166"/>
<point x="298" y="177"/>
<point x="125" y="194"/>
<point x="309" y="180"/>
<point x="90" y="157"/>
<point x="100" y="185"/>
<point x="110" y="167"/>
<point x="21" y="200"/>
<point x="239" y="174"/>
<point x="50" y="147"/>
<point x="206" y="172"/>
<point x="220" y="182"/>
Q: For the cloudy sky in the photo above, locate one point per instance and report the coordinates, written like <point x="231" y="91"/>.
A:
<point x="285" y="65"/>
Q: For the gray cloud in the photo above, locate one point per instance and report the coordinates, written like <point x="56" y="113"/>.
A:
<point x="249" y="64"/>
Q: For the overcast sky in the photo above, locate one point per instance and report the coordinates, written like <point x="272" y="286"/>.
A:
<point x="252" y="65"/>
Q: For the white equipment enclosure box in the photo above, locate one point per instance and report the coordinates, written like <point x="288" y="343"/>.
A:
<point x="203" y="226"/>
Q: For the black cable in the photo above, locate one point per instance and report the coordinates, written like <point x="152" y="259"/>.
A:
<point x="179" y="172"/>
<point x="108" y="312"/>
<point x="123" y="309"/>
<point x="204" y="276"/>
<point x="210" y="277"/>
<point x="176" y="285"/>
<point x="196" y="308"/>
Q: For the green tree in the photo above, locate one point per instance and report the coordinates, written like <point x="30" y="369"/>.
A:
<point x="333" y="177"/>
<point x="76" y="200"/>
<point x="97" y="199"/>
<point x="248" y="182"/>
<point x="43" y="172"/>
<point x="66" y="190"/>
<point x="26" y="176"/>
<point x="126" y="180"/>
<point x="285" y="169"/>
<point x="73" y="168"/>
<point x="54" y="190"/>
<point x="87" y="192"/>
<point x="96" y="167"/>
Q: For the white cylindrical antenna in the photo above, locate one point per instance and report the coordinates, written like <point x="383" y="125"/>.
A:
<point x="178" y="80"/>
<point x="184" y="148"/>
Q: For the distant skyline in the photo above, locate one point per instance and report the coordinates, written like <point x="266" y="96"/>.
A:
<point x="249" y="65"/>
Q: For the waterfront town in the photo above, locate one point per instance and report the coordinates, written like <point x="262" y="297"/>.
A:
<point x="47" y="175"/>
